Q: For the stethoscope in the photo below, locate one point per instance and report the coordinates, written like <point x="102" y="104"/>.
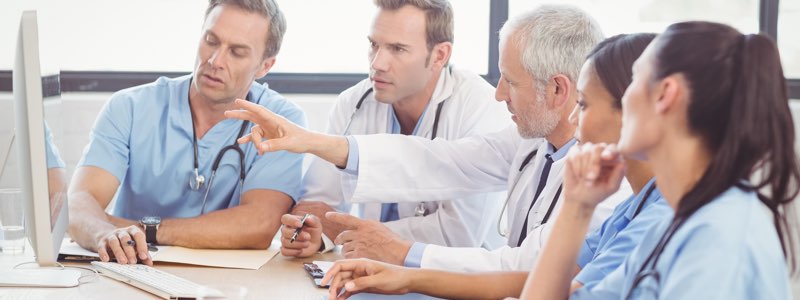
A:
<point x="420" y="210"/>
<point x="525" y="162"/>
<point x="648" y="269"/>
<point x="199" y="180"/>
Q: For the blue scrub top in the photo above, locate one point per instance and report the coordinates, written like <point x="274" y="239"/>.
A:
<point x="728" y="249"/>
<point x="607" y="247"/>
<point x="51" y="151"/>
<point x="143" y="136"/>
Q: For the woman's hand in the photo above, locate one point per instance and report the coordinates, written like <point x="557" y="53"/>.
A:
<point x="592" y="173"/>
<point x="349" y="277"/>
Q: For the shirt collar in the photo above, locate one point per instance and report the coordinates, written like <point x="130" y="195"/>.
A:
<point x="655" y="195"/>
<point x="444" y="87"/>
<point x="557" y="154"/>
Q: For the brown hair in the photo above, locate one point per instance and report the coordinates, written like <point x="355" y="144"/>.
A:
<point x="266" y="8"/>
<point x="740" y="108"/>
<point x="438" y="17"/>
<point x="613" y="58"/>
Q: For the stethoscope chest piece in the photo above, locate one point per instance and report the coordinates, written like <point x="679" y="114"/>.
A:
<point x="420" y="210"/>
<point x="197" y="182"/>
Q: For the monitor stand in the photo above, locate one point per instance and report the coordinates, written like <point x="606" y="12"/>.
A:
<point x="39" y="278"/>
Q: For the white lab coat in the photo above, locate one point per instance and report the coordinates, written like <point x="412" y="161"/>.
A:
<point x="444" y="169"/>
<point x="469" y="109"/>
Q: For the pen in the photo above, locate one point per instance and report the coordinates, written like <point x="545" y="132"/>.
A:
<point x="297" y="231"/>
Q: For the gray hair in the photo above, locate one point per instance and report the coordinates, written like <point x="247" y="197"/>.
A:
<point x="266" y="8"/>
<point x="553" y="39"/>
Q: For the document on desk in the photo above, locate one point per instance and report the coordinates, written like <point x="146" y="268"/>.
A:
<point x="233" y="259"/>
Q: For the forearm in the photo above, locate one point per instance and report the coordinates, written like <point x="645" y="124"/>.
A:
<point x="240" y="227"/>
<point x="552" y="277"/>
<point x="450" y="285"/>
<point x="331" y="148"/>
<point x="88" y="221"/>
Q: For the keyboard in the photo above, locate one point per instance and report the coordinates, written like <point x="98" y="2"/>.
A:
<point x="152" y="280"/>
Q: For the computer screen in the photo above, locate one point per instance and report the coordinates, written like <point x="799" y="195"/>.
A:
<point x="42" y="177"/>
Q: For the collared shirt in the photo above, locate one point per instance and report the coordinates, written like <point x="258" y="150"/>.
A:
<point x="607" y="247"/>
<point x="728" y="249"/>
<point x="389" y="210"/>
<point x="414" y="257"/>
<point x="143" y="137"/>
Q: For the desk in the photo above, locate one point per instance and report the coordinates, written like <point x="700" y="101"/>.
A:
<point x="280" y="278"/>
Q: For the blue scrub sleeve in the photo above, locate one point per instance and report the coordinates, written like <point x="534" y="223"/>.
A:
<point x="53" y="158"/>
<point x="282" y="170"/>
<point x="590" y="246"/>
<point x="108" y="146"/>
<point x="623" y="244"/>
<point x="610" y="288"/>
<point x="414" y="256"/>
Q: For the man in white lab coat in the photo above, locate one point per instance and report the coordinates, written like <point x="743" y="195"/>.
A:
<point x="541" y="53"/>
<point x="412" y="91"/>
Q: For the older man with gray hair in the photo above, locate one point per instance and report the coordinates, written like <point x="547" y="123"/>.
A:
<point x="541" y="55"/>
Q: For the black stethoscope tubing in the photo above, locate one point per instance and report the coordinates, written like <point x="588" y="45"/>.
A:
<point x="199" y="179"/>
<point x="420" y="209"/>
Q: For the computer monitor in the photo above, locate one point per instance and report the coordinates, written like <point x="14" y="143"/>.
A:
<point x="43" y="188"/>
<point x="42" y="184"/>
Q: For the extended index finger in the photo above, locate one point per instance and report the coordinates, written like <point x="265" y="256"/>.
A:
<point x="347" y="220"/>
<point x="244" y="115"/>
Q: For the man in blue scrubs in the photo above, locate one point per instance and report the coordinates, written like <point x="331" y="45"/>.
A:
<point x="154" y="147"/>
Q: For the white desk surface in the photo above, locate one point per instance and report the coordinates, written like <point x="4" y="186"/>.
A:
<point x="280" y="278"/>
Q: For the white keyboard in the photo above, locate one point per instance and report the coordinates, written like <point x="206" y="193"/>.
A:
<point x="159" y="283"/>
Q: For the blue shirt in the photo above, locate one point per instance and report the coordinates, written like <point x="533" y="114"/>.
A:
<point x="607" y="247"/>
<point x="143" y="137"/>
<point x="728" y="249"/>
<point x="51" y="151"/>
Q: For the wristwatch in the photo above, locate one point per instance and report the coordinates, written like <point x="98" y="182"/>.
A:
<point x="150" y="225"/>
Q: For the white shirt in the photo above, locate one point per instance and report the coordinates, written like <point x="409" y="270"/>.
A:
<point x="469" y="109"/>
<point x="440" y="169"/>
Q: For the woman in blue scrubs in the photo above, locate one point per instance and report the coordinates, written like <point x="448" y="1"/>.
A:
<point x="708" y="109"/>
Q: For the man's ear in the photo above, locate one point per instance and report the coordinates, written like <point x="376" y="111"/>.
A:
<point x="440" y="54"/>
<point x="266" y="65"/>
<point x="562" y="90"/>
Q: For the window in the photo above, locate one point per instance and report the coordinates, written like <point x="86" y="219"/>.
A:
<point x="615" y="16"/>
<point x="156" y="35"/>
<point x="788" y="42"/>
<point x="337" y="43"/>
<point x="98" y="35"/>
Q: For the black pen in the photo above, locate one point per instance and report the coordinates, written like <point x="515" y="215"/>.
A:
<point x="297" y="231"/>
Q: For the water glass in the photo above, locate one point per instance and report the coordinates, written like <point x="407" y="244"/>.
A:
<point x="12" y="222"/>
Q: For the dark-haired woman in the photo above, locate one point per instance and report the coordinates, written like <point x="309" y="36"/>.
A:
<point x="708" y="110"/>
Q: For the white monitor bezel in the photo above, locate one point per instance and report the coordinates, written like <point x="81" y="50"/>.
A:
<point x="29" y="122"/>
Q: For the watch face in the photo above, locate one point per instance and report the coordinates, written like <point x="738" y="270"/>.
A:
<point x="151" y="220"/>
